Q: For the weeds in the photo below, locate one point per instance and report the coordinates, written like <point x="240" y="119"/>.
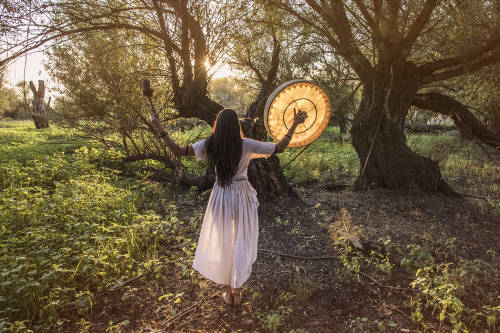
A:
<point x="70" y="228"/>
<point x="444" y="288"/>
<point x="274" y="320"/>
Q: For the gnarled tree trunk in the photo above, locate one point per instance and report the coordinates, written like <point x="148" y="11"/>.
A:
<point x="379" y="139"/>
<point x="40" y="109"/>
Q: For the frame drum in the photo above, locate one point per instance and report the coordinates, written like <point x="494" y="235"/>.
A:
<point x="299" y="95"/>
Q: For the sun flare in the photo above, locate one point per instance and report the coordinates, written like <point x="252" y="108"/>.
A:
<point x="218" y="70"/>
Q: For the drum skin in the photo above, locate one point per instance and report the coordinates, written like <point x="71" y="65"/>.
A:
<point x="297" y="94"/>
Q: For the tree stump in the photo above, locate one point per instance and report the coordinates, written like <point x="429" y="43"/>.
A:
<point x="40" y="109"/>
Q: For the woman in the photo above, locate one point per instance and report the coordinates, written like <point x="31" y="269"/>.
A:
<point x="227" y="246"/>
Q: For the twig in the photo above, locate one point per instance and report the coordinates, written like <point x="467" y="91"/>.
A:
<point x="474" y="196"/>
<point x="126" y="282"/>
<point x="187" y="310"/>
<point x="298" y="257"/>
<point x="293" y="159"/>
<point x="405" y="316"/>
<point x="63" y="143"/>
<point x="153" y="267"/>
<point x="380" y="284"/>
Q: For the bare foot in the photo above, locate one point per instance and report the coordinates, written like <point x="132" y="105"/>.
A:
<point x="237" y="298"/>
<point x="227" y="298"/>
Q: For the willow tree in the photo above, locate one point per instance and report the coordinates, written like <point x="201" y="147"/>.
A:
<point x="186" y="35"/>
<point x="398" y="48"/>
<point x="257" y="53"/>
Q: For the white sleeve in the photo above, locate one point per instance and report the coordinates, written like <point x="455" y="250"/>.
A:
<point x="260" y="149"/>
<point x="200" y="151"/>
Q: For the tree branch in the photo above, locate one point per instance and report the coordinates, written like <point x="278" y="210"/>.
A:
<point x="347" y="46"/>
<point x="474" y="53"/>
<point x="369" y="20"/>
<point x="418" y="25"/>
<point x="464" y="69"/>
<point x="462" y="117"/>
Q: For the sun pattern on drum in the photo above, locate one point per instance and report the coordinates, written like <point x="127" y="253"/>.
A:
<point x="297" y="95"/>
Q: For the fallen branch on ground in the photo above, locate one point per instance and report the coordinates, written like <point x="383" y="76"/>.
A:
<point x="298" y="257"/>
<point x="474" y="196"/>
<point x="380" y="284"/>
<point x="189" y="309"/>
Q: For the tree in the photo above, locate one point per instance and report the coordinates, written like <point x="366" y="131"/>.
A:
<point x="397" y="48"/>
<point x="271" y="50"/>
<point x="12" y="104"/>
<point x="185" y="34"/>
<point x="258" y="53"/>
<point x="479" y="91"/>
<point x="99" y="79"/>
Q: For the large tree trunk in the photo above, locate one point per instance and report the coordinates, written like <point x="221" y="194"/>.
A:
<point x="379" y="139"/>
<point x="200" y="106"/>
<point x="40" y="109"/>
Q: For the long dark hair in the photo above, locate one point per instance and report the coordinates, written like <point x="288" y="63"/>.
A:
<point x="224" y="146"/>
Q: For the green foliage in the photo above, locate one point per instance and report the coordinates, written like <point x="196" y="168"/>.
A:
<point x="274" y="320"/>
<point x="70" y="228"/>
<point x="445" y="288"/>
<point x="12" y="105"/>
<point x="462" y="163"/>
<point x="415" y="258"/>
<point x="231" y="93"/>
<point x="322" y="160"/>
<point x="436" y="150"/>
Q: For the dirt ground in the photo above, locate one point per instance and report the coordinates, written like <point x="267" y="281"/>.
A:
<point x="293" y="293"/>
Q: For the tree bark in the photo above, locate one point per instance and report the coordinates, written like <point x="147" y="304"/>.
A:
<point x="40" y="109"/>
<point x="466" y="122"/>
<point x="379" y="139"/>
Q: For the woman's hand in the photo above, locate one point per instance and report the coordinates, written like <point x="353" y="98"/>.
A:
<point x="300" y="117"/>
<point x="156" y="123"/>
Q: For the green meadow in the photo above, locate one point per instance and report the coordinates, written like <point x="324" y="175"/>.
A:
<point x="75" y="220"/>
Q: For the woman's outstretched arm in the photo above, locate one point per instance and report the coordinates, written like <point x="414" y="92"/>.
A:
<point x="298" y="119"/>
<point x="174" y="147"/>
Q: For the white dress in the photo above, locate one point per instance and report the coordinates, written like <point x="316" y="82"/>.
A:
<point x="227" y="246"/>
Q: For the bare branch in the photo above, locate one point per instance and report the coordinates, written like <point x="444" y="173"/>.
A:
<point x="464" y="69"/>
<point x="418" y="25"/>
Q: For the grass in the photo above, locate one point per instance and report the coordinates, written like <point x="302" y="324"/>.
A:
<point x="462" y="163"/>
<point x="76" y="220"/>
<point x="71" y="226"/>
<point x="323" y="159"/>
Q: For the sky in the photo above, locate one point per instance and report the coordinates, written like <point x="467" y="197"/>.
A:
<point x="35" y="71"/>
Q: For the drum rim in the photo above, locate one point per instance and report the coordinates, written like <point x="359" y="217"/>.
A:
<point x="281" y="87"/>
